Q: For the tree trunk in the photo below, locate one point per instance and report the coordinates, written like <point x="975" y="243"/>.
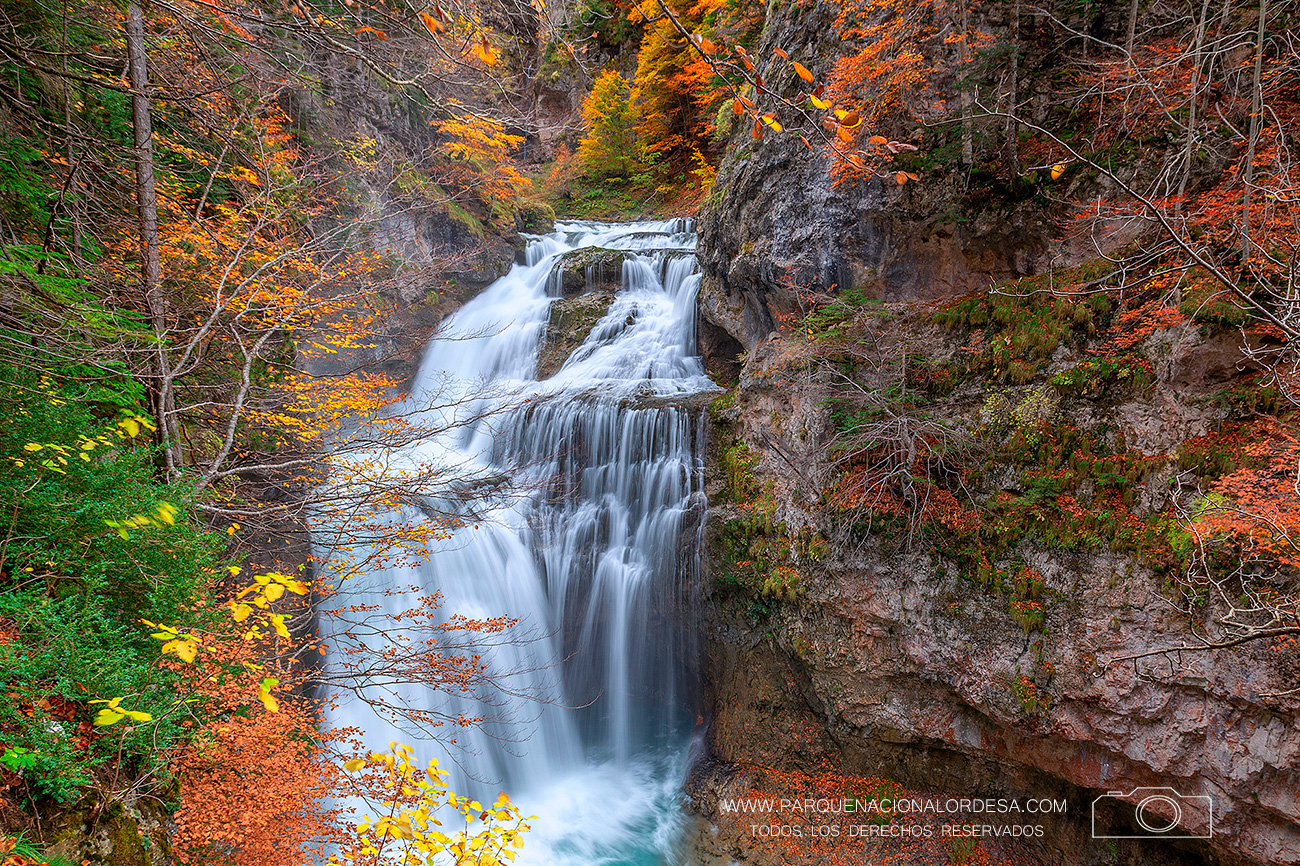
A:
<point x="1013" y="128"/>
<point x="1132" y="28"/>
<point x="1189" y="148"/>
<point x="1256" y="120"/>
<point x="74" y="202"/>
<point x="967" y="131"/>
<point x="147" y="202"/>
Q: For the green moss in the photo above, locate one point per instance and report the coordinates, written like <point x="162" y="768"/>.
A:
<point x="465" y="218"/>
<point x="1244" y="401"/>
<point x="1204" y="301"/>
<point x="536" y="217"/>
<point x="1099" y="377"/>
<point x="737" y="461"/>
<point x="1022" y="323"/>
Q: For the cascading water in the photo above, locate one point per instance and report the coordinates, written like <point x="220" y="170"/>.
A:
<point x="599" y="557"/>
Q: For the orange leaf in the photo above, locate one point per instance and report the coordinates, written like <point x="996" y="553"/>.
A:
<point x="852" y="120"/>
<point x="430" y="23"/>
<point x="902" y="177"/>
<point x="877" y="140"/>
<point x="757" y="133"/>
<point x="483" y="51"/>
<point x="843" y="134"/>
<point x="802" y="71"/>
<point x="779" y="53"/>
<point x="705" y="46"/>
<point x="737" y="107"/>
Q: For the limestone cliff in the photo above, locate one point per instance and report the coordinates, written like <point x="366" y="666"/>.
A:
<point x="844" y="600"/>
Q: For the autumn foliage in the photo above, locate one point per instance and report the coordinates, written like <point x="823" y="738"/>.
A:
<point x="609" y="115"/>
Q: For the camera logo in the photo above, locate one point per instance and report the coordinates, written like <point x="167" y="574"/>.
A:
<point x="1159" y="813"/>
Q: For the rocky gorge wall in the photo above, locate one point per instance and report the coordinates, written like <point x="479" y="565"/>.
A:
<point x="908" y="669"/>
<point x="876" y="647"/>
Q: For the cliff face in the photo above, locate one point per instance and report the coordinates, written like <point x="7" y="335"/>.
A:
<point x="909" y="669"/>
<point x="777" y="220"/>
<point x="901" y="653"/>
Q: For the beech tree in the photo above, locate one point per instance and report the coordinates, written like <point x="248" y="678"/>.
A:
<point x="609" y="114"/>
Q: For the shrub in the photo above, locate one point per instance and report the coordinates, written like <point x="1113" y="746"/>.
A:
<point x="92" y="545"/>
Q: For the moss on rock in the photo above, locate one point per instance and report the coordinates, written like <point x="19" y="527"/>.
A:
<point x="570" y="324"/>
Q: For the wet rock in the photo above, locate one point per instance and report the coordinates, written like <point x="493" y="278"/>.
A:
<point x="571" y="322"/>
<point x="591" y="269"/>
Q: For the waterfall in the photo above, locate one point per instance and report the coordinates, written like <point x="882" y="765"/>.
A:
<point x="598" y="556"/>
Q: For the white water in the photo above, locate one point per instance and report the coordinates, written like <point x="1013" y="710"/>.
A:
<point x="600" y="556"/>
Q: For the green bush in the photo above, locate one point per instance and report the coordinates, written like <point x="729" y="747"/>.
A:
<point x="73" y="588"/>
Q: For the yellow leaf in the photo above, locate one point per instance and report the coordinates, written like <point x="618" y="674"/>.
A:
<point x="239" y="611"/>
<point x="819" y="103"/>
<point x="108" y="717"/>
<point x="353" y="765"/>
<point x="185" y="649"/>
<point x="269" y="701"/>
<point x="131" y="426"/>
<point x="274" y="591"/>
<point x="136" y="715"/>
<point x="772" y="122"/>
